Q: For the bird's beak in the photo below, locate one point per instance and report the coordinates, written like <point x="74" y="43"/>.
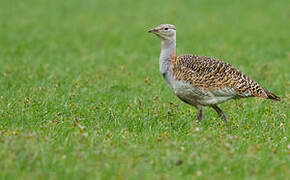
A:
<point x="152" y="30"/>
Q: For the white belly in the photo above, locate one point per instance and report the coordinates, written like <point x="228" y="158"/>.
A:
<point x="196" y="96"/>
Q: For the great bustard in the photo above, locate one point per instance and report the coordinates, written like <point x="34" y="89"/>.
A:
<point x="203" y="81"/>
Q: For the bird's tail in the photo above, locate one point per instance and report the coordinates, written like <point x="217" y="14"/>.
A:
<point x="272" y="96"/>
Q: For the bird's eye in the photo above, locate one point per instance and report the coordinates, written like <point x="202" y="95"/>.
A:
<point x="165" y="28"/>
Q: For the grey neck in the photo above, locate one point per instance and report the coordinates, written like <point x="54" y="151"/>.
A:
<point x="167" y="49"/>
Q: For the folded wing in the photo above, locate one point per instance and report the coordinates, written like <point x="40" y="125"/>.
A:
<point x="215" y="76"/>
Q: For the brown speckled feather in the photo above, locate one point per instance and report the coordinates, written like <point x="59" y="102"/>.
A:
<point x="212" y="74"/>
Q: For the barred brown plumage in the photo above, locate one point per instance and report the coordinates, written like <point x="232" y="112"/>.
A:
<point x="200" y="80"/>
<point x="213" y="74"/>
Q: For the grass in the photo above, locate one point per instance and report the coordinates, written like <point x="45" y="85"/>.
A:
<point x="81" y="96"/>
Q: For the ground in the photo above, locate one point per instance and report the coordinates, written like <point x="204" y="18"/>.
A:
<point x="81" y="96"/>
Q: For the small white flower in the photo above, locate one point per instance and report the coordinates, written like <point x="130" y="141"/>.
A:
<point x="197" y="129"/>
<point x="198" y="173"/>
<point x="281" y="124"/>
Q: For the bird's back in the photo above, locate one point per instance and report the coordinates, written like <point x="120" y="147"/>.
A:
<point x="216" y="76"/>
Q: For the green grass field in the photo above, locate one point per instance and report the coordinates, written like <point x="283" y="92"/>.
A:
<point x="81" y="96"/>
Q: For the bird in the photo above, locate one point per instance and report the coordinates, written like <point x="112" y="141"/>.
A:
<point x="202" y="81"/>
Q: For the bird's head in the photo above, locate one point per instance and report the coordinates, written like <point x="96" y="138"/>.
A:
<point x="165" y="32"/>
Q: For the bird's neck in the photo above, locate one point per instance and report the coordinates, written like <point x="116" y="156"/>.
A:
<point x="168" y="51"/>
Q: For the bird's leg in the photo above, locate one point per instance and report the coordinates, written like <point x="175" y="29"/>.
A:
<point x="199" y="114"/>
<point x="220" y="113"/>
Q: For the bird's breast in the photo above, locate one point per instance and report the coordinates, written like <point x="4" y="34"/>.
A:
<point x="167" y="78"/>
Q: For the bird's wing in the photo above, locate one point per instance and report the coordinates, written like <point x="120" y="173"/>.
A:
<point x="215" y="76"/>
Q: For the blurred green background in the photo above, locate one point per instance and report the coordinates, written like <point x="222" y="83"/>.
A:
<point x="81" y="96"/>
